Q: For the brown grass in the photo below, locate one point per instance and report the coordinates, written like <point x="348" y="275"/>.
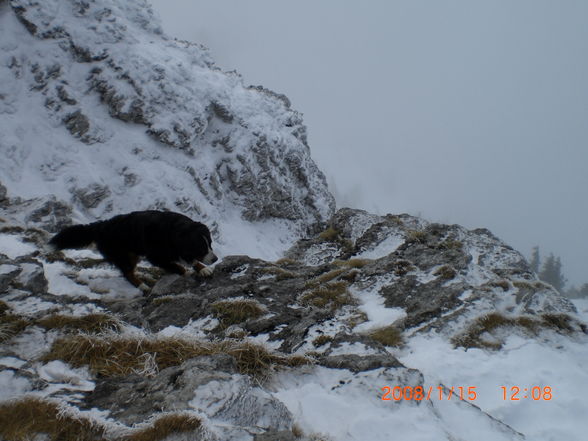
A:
<point x="119" y="356"/>
<point x="280" y="273"/>
<point x="325" y="277"/>
<point x="22" y="420"/>
<point x="401" y="267"/>
<point x="165" y="426"/>
<point x="329" y="235"/>
<point x="331" y="295"/>
<point x="388" y="336"/>
<point x="322" y="340"/>
<point x="471" y="338"/>
<point x="286" y="261"/>
<point x="334" y="236"/>
<point x="353" y="263"/>
<point x="445" y="272"/>
<point x="91" y="323"/>
<point x="32" y="418"/>
<point x="415" y="236"/>
<point x="11" y="325"/>
<point x="232" y="312"/>
<point x="503" y="284"/>
<point x="450" y="245"/>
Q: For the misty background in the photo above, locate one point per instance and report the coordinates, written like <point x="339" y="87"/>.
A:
<point x="468" y="112"/>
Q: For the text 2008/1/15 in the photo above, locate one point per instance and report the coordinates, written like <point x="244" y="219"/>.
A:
<point x="419" y="393"/>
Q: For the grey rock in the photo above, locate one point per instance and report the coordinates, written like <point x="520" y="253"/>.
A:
<point x="8" y="274"/>
<point x="92" y="196"/>
<point x="50" y="213"/>
<point x="360" y="363"/>
<point x="3" y="195"/>
<point x="208" y="384"/>
<point x="77" y="123"/>
<point x="31" y="278"/>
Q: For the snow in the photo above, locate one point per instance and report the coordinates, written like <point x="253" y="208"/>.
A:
<point x="372" y="304"/>
<point x="62" y="376"/>
<point x="13" y="247"/>
<point x="522" y="363"/>
<point x="387" y="246"/>
<point x="12" y="386"/>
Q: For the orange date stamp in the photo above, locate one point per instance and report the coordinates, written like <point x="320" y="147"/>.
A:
<point x="420" y="393"/>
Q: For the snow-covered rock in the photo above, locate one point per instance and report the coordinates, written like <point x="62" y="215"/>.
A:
<point x="102" y="112"/>
<point x="427" y="284"/>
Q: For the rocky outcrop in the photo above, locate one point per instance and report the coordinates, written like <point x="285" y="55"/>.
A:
<point x="193" y="343"/>
<point x="126" y="118"/>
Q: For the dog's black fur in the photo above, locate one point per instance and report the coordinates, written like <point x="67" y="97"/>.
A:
<point x="162" y="237"/>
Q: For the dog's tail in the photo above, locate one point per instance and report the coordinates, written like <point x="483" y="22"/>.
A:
<point x="77" y="236"/>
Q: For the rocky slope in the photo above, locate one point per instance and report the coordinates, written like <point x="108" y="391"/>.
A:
<point x="238" y="351"/>
<point x="103" y="113"/>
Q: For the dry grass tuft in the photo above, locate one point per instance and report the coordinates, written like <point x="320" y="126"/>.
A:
<point x="353" y="263"/>
<point x="472" y="337"/>
<point x="165" y="426"/>
<point x="232" y="312"/>
<point x="3" y="307"/>
<point x="325" y="277"/>
<point x="118" y="356"/>
<point x="415" y="236"/>
<point x="91" y="323"/>
<point x="331" y="295"/>
<point x="450" y="245"/>
<point x="334" y="236"/>
<point x="558" y="322"/>
<point x="286" y="261"/>
<point x="322" y="340"/>
<point x="34" y="418"/>
<point x="329" y="235"/>
<point x="388" y="336"/>
<point x="502" y="284"/>
<point x="26" y="418"/>
<point x="280" y="273"/>
<point x="445" y="272"/>
<point x="11" y="325"/>
<point x="401" y="267"/>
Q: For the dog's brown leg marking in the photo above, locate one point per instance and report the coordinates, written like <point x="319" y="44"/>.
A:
<point x="131" y="277"/>
<point x="202" y="270"/>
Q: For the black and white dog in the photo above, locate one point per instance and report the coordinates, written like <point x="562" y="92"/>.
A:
<point x="164" y="238"/>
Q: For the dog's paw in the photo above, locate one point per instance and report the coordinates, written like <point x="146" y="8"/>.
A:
<point x="144" y="288"/>
<point x="205" y="272"/>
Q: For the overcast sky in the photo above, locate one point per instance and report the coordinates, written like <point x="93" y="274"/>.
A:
<point x="469" y="112"/>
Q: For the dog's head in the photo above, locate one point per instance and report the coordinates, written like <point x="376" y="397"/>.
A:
<point x="209" y="257"/>
<point x="198" y="245"/>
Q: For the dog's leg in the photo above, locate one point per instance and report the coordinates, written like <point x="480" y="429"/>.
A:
<point x="170" y="267"/>
<point x="203" y="270"/>
<point x="126" y="264"/>
<point x="132" y="278"/>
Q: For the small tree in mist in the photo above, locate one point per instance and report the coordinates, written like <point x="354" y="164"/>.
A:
<point x="535" y="260"/>
<point x="551" y="272"/>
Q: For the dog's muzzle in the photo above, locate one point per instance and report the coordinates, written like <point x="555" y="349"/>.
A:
<point x="209" y="258"/>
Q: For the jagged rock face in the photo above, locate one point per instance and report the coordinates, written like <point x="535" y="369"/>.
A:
<point x="441" y="275"/>
<point x="104" y="112"/>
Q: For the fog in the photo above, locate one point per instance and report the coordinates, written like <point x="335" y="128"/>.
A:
<point x="468" y="112"/>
